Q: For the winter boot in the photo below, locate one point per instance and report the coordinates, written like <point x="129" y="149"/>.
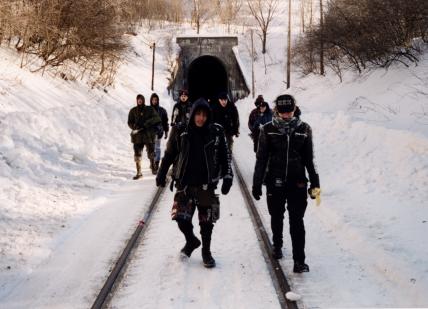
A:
<point x="190" y="246"/>
<point x="156" y="167"/>
<point x="300" y="267"/>
<point x="207" y="258"/>
<point x="192" y="242"/>
<point x="277" y="253"/>
<point x="206" y="231"/>
<point x="153" y="167"/>
<point x="138" y="165"/>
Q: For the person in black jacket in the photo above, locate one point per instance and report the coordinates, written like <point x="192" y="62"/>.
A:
<point x="199" y="150"/>
<point x="163" y="127"/>
<point x="226" y="114"/>
<point x="285" y="151"/>
<point x="181" y="110"/>
<point x="143" y="121"/>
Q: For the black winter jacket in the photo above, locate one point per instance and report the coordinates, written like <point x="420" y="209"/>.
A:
<point x="283" y="157"/>
<point x="217" y="156"/>
<point x="227" y="117"/>
<point x="164" y="125"/>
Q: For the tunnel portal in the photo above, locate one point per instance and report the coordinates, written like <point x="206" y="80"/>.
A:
<point x="208" y="66"/>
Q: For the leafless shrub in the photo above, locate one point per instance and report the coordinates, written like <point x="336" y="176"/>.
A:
<point x="367" y="33"/>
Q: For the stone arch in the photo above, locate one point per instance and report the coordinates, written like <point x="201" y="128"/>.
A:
<point x="202" y="56"/>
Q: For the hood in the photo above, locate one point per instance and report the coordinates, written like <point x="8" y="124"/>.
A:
<point x="197" y="105"/>
<point x="154" y="95"/>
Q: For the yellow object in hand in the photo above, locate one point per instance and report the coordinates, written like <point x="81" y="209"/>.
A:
<point x="316" y="193"/>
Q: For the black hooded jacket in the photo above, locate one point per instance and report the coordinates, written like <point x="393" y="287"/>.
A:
<point x="164" y="126"/>
<point x="181" y="148"/>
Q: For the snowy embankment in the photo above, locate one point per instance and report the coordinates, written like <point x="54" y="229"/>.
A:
<point x="65" y="153"/>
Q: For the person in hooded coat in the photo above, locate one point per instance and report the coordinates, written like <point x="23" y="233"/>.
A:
<point x="163" y="127"/>
<point x="285" y="152"/>
<point x="201" y="156"/>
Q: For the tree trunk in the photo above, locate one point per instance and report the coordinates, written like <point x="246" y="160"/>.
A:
<point x="321" y="40"/>
<point x="264" y="35"/>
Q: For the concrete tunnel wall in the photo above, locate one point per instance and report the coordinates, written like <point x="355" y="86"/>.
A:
<point x="207" y="66"/>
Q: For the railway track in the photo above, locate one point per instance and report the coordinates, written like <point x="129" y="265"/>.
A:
<point x="276" y="273"/>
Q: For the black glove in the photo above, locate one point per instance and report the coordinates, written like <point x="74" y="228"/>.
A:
<point x="257" y="192"/>
<point x="160" y="135"/>
<point x="225" y="187"/>
<point x="166" y="134"/>
<point x="160" y="182"/>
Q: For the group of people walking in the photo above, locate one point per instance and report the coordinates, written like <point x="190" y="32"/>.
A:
<point x="199" y="149"/>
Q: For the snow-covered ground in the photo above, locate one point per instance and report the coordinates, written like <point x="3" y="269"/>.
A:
<point x="66" y="197"/>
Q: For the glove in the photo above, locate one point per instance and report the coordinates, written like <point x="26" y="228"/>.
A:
<point x="257" y="192"/>
<point x="160" y="182"/>
<point x="160" y="135"/>
<point x="166" y="134"/>
<point x="225" y="187"/>
<point x="315" y="194"/>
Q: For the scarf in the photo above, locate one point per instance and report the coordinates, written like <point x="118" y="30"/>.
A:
<point x="285" y="126"/>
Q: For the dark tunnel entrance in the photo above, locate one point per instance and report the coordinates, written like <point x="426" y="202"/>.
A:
<point x="206" y="77"/>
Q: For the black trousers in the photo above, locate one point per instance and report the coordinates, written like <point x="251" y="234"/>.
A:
<point x="295" y="196"/>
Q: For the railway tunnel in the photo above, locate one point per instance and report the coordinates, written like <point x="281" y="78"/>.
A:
<point x="208" y="66"/>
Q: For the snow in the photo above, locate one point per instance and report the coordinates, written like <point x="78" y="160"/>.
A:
<point x="68" y="204"/>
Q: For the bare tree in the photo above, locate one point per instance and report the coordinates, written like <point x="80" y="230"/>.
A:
<point x="321" y="39"/>
<point x="263" y="11"/>
<point x="228" y="11"/>
<point x="200" y="13"/>
<point x="306" y="9"/>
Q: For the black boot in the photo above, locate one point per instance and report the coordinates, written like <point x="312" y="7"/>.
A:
<point x="192" y="242"/>
<point x="153" y="167"/>
<point x="206" y="231"/>
<point x="207" y="258"/>
<point x="277" y="253"/>
<point x="190" y="246"/>
<point x="300" y="267"/>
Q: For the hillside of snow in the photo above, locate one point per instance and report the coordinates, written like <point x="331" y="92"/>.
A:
<point x="66" y="192"/>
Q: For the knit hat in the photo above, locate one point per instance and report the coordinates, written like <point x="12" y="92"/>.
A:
<point x="183" y="91"/>
<point x="285" y="103"/>
<point x="259" y="100"/>
<point x="223" y="95"/>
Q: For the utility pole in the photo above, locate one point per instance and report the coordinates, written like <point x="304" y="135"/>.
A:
<point x="321" y="40"/>
<point x="252" y="65"/>
<point x="153" y="65"/>
<point x="289" y="45"/>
